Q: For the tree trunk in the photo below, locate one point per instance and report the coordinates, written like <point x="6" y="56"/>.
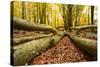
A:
<point x="64" y="14"/>
<point x="23" y="53"/>
<point x="22" y="24"/>
<point x="69" y="17"/>
<point x="43" y="18"/>
<point x="77" y="11"/>
<point x="23" y="10"/>
<point x="88" y="16"/>
<point x="30" y="38"/>
<point x="88" y="45"/>
<point x="35" y="12"/>
<point x="85" y="27"/>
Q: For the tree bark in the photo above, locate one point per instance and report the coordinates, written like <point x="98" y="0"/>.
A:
<point x="87" y="45"/>
<point x="88" y="15"/>
<point x="23" y="10"/>
<point x="30" y="38"/>
<point x="65" y="16"/>
<point x="77" y="14"/>
<point x="69" y="17"/>
<point x="23" y="53"/>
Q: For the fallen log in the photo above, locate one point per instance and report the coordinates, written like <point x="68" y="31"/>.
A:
<point x="85" y="27"/>
<point x="30" y="38"/>
<point x="90" y="35"/>
<point x="24" y="25"/>
<point x="24" y="52"/>
<point x="88" y="45"/>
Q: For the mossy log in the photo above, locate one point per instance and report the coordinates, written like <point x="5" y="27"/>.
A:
<point x="29" y="38"/>
<point x="88" y="45"/>
<point x="24" y="25"/>
<point x="85" y="27"/>
<point x="24" y="52"/>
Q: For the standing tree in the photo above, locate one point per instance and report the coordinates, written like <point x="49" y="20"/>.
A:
<point x="88" y="16"/>
<point x="43" y="18"/>
<point x="69" y="17"/>
<point x="77" y="13"/>
<point x="64" y="14"/>
<point x="23" y="10"/>
<point x="44" y="13"/>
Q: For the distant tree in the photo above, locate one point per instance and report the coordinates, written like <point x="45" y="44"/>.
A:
<point x="69" y="17"/>
<point x="64" y="14"/>
<point x="43" y="13"/>
<point x="23" y="10"/>
<point x="88" y="15"/>
<point x="77" y="14"/>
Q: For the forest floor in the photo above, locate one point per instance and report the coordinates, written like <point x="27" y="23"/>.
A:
<point x="64" y="51"/>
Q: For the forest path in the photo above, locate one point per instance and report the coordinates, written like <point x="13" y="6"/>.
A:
<point x="64" y="51"/>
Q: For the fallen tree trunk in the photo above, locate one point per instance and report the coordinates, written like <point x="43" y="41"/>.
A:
<point x="30" y="38"/>
<point x="85" y="27"/>
<point x="87" y="45"/>
<point x="24" y="52"/>
<point x="24" y="25"/>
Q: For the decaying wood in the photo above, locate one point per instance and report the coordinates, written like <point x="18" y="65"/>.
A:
<point x="30" y="38"/>
<point x="24" y="52"/>
<point x="24" y="25"/>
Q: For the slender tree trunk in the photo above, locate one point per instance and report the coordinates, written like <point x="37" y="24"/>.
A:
<point x="34" y="13"/>
<point x="43" y="18"/>
<point x="37" y="12"/>
<point x="77" y="11"/>
<point x="44" y="13"/>
<point x="88" y="17"/>
<point x="69" y="17"/>
<point x="64" y="16"/>
<point x="23" y="10"/>
<point x="30" y="11"/>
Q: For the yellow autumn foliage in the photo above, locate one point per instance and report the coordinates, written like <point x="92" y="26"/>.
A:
<point x="52" y="16"/>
